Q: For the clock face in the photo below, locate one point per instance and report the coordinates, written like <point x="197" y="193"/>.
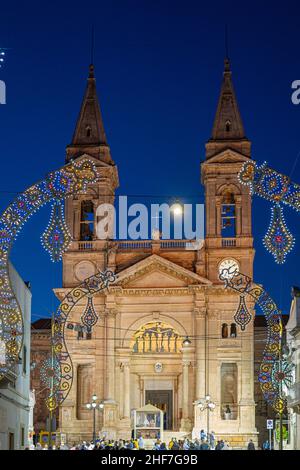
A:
<point x="227" y="268"/>
<point x="84" y="269"/>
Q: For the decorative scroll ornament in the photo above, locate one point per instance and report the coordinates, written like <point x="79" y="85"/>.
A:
<point x="89" y="317"/>
<point x="56" y="239"/>
<point x="278" y="240"/>
<point x="58" y="184"/>
<point x="268" y="378"/>
<point x="242" y="316"/>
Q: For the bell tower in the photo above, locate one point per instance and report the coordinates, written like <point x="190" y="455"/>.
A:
<point x="87" y="254"/>
<point x="228" y="232"/>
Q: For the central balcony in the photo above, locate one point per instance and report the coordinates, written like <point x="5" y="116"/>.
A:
<point x="139" y="245"/>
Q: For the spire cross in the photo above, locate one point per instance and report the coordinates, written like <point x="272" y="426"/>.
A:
<point x="92" y="44"/>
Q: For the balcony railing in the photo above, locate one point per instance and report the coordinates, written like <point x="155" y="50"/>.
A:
<point x="134" y="245"/>
<point x="139" y="245"/>
<point x="86" y="246"/>
<point x="228" y="242"/>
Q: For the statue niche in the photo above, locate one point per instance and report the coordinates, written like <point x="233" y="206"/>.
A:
<point x="156" y="337"/>
<point x="85" y="381"/>
<point x="229" y="391"/>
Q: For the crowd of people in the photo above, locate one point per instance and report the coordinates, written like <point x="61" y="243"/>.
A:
<point x="203" y="443"/>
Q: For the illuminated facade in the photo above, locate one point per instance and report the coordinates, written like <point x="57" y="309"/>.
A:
<point x="165" y="291"/>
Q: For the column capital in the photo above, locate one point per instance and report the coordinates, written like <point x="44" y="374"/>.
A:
<point x="110" y="312"/>
<point x="186" y="363"/>
<point x="199" y="312"/>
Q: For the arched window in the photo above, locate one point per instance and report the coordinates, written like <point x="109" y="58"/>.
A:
<point x="233" y="330"/>
<point x="88" y="131"/>
<point x="224" y="330"/>
<point x="228" y="216"/>
<point x="87" y="221"/>
<point x="228" y="126"/>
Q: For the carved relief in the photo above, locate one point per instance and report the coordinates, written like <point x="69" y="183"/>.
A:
<point x="156" y="337"/>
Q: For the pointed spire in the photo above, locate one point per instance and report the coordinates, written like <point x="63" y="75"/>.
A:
<point x="89" y="129"/>
<point x="89" y="135"/>
<point x="228" y="122"/>
<point x="228" y="130"/>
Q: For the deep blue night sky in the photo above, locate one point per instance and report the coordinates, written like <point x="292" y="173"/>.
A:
<point x="159" y="68"/>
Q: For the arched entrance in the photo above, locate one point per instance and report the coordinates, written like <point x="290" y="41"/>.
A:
<point x="156" y="362"/>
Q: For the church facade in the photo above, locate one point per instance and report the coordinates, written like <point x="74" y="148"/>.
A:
<point x="165" y="291"/>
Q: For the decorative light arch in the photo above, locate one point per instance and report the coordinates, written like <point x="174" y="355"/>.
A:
<point x="70" y="179"/>
<point x="270" y="382"/>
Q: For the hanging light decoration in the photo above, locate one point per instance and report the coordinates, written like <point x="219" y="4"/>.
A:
<point x="50" y="373"/>
<point x="283" y="374"/>
<point x="89" y="317"/>
<point x="278" y="189"/>
<point x="242" y="316"/>
<point x="56" y="239"/>
<point x="278" y="240"/>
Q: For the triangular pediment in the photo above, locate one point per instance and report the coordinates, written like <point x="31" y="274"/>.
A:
<point x="227" y="156"/>
<point x="157" y="272"/>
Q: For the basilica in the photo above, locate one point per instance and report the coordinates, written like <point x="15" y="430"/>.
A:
<point x="165" y="333"/>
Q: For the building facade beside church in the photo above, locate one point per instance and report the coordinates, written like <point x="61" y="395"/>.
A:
<point x="165" y="290"/>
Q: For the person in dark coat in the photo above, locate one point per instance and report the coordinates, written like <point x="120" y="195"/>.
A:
<point x="251" y="445"/>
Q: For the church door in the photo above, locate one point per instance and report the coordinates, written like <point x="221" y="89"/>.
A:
<point x="162" y="399"/>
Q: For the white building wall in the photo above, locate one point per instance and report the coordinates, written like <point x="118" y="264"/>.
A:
<point x="14" y="397"/>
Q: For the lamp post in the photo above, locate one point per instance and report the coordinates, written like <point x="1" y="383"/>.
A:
<point x="94" y="405"/>
<point x="208" y="405"/>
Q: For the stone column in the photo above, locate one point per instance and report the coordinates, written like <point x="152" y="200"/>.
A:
<point x="186" y="395"/>
<point x="126" y="401"/>
<point x="200" y="353"/>
<point x="110" y="354"/>
<point x="218" y="217"/>
<point x="110" y="412"/>
<point x="185" y="389"/>
<point x="246" y="374"/>
<point x="141" y="387"/>
<point x="95" y="206"/>
<point x="76" y="221"/>
<point x="238" y="202"/>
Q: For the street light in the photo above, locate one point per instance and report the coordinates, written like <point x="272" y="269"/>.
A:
<point x="94" y="405"/>
<point x="186" y="341"/>
<point x="208" y="405"/>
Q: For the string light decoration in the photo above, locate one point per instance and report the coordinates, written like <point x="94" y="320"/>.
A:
<point x="89" y="317"/>
<point x="278" y="240"/>
<point x="268" y="380"/>
<point x="278" y="189"/>
<point x="2" y="56"/>
<point x="57" y="238"/>
<point x="283" y="374"/>
<point x="71" y="179"/>
<point x="50" y="372"/>
<point x="89" y="287"/>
